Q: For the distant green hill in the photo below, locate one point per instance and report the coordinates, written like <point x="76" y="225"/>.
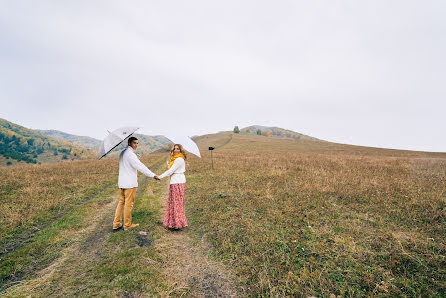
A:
<point x="87" y="142"/>
<point x="275" y="132"/>
<point x="19" y="144"/>
<point x="147" y="144"/>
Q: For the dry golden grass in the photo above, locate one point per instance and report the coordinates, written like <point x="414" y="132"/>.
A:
<point x="33" y="195"/>
<point x="66" y="246"/>
<point x="289" y="217"/>
<point x="317" y="218"/>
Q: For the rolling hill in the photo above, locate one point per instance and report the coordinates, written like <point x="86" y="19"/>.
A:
<point x="275" y="132"/>
<point x="84" y="141"/>
<point x="147" y="144"/>
<point x="19" y="144"/>
<point x="22" y="145"/>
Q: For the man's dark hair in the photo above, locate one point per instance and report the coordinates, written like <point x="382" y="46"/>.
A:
<point x="131" y="139"/>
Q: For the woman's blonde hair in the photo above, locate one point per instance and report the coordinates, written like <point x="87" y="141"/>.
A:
<point x="181" y="151"/>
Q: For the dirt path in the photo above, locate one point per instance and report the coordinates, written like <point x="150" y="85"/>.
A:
<point x="87" y="244"/>
<point x="185" y="265"/>
<point x="188" y="266"/>
<point x="20" y="240"/>
<point x="87" y="247"/>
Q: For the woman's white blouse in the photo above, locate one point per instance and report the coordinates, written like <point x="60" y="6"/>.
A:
<point x="176" y="172"/>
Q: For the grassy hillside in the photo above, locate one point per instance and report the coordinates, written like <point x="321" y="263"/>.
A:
<point x="317" y="218"/>
<point x="275" y="132"/>
<point x="22" y="145"/>
<point x="288" y="218"/>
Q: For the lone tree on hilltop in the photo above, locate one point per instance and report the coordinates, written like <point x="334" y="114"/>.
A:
<point x="236" y="129"/>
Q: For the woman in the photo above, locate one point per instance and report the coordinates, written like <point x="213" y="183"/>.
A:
<point x="175" y="217"/>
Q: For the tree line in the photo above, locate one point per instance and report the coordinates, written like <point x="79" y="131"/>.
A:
<point x="27" y="149"/>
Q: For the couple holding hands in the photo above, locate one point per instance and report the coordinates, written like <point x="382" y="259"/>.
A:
<point x="129" y="164"/>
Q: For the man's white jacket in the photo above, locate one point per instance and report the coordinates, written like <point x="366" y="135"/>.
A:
<point x="129" y="164"/>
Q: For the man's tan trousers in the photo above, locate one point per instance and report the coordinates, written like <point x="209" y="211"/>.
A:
<point x="126" y="200"/>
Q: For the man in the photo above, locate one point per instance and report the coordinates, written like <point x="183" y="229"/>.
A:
<point x="129" y="164"/>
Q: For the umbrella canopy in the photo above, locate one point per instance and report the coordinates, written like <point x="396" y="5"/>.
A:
<point x="114" y="139"/>
<point x="186" y="142"/>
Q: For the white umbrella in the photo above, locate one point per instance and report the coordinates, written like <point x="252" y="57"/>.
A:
<point x="186" y="142"/>
<point x="115" y="138"/>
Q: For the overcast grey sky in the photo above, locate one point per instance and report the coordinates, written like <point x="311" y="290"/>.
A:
<point x="357" y="72"/>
